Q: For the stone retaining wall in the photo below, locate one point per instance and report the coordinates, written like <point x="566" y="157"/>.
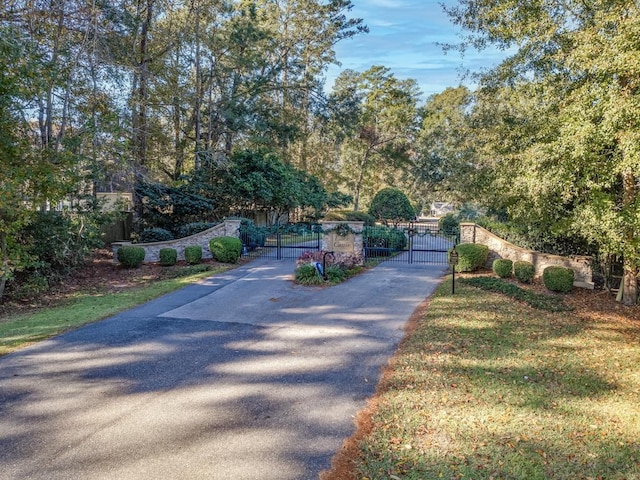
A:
<point x="229" y="228"/>
<point x="500" y="248"/>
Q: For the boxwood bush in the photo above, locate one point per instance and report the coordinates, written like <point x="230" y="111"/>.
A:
<point x="168" y="256"/>
<point x="226" y="249"/>
<point x="131" y="256"/>
<point x="150" y="235"/>
<point x="502" y="267"/>
<point x="471" y="256"/>
<point x="193" y="254"/>
<point x="558" y="279"/>
<point x="524" y="271"/>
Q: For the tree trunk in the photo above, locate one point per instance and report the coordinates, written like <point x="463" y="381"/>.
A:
<point x="4" y="259"/>
<point x="630" y="285"/>
<point x="631" y="270"/>
<point x="198" y="100"/>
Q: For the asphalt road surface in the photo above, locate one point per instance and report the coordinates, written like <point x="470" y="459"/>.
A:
<point x="242" y="376"/>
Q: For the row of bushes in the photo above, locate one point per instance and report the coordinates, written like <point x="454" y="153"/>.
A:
<point x="473" y="256"/>
<point x="223" y="249"/>
<point x="556" y="279"/>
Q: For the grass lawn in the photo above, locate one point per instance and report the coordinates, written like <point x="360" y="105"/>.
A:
<point x="486" y="387"/>
<point x="23" y="329"/>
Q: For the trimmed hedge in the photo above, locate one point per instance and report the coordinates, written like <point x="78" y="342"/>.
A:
<point x="384" y="237"/>
<point x="151" y="235"/>
<point x="168" y="257"/>
<point x="226" y="249"/>
<point x="558" y="279"/>
<point x="350" y="216"/>
<point x="502" y="267"/>
<point x="193" y="254"/>
<point x="524" y="271"/>
<point x="130" y="256"/>
<point x="471" y="257"/>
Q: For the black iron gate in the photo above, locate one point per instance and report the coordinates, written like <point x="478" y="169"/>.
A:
<point x="410" y="243"/>
<point x="280" y="241"/>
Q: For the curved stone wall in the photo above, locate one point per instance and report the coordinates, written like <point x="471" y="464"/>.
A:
<point x="500" y="248"/>
<point x="229" y="228"/>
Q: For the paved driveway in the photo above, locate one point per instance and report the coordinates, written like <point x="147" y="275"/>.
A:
<point x="243" y="376"/>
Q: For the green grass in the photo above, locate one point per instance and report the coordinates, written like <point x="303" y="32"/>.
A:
<point x="488" y="388"/>
<point x="551" y="303"/>
<point x="23" y="329"/>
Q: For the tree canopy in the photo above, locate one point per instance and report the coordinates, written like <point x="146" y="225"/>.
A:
<point x="556" y="127"/>
<point x="391" y="205"/>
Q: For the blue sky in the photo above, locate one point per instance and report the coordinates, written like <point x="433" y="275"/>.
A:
<point x="405" y="36"/>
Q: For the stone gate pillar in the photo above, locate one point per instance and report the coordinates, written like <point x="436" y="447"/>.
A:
<point x="343" y="238"/>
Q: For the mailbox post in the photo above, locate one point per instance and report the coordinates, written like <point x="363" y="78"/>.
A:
<point x="453" y="261"/>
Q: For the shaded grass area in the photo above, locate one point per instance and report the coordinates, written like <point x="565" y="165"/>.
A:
<point x="488" y="388"/>
<point x="549" y="302"/>
<point x="86" y="307"/>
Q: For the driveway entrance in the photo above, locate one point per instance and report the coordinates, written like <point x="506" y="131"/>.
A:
<point x="244" y="375"/>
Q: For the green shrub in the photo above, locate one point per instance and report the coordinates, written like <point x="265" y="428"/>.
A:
<point x="391" y="205"/>
<point x="541" y="301"/>
<point x="524" y="271"/>
<point x="33" y="285"/>
<point x="53" y="245"/>
<point x="502" y="267"/>
<point x="193" y="254"/>
<point x="226" y="249"/>
<point x="307" y="274"/>
<point x="384" y="237"/>
<point x="449" y="225"/>
<point x="193" y="228"/>
<point x="558" y="279"/>
<point x="150" y="235"/>
<point x="335" y="274"/>
<point x="251" y="235"/>
<point x="131" y="256"/>
<point x="168" y="256"/>
<point x="350" y="216"/>
<point x="471" y="257"/>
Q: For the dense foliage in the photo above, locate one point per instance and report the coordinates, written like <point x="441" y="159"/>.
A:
<point x="168" y="256"/>
<point x="226" y="249"/>
<point x="193" y="254"/>
<point x="449" y="225"/>
<point x="502" y="267"/>
<point x="471" y="257"/>
<point x="350" y="216"/>
<point x="524" y="271"/>
<point x="391" y="205"/>
<point x="554" y="131"/>
<point x="130" y="256"/>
